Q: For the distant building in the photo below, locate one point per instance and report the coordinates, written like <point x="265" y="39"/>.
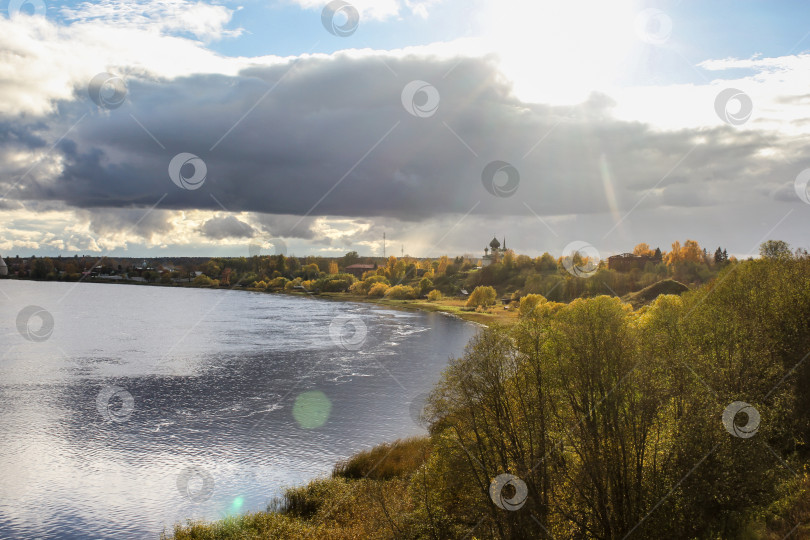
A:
<point x="357" y="270"/>
<point x="493" y="252"/>
<point x="3" y="267"/>
<point x="628" y="261"/>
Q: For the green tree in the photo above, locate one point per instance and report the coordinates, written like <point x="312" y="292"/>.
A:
<point x="775" y="249"/>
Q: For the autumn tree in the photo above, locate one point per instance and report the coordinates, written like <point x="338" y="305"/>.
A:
<point x="643" y="250"/>
<point x="482" y="297"/>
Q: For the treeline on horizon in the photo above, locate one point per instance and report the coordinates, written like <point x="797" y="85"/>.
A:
<point x="405" y="277"/>
<point x="686" y="418"/>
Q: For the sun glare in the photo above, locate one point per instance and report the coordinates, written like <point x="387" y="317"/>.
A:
<point x="559" y="52"/>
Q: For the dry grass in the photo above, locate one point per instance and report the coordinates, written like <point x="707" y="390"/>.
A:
<point x="399" y="459"/>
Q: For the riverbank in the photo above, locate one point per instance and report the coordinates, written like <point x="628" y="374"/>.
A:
<point x="499" y="314"/>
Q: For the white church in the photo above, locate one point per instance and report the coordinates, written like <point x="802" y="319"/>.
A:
<point x="493" y="252"/>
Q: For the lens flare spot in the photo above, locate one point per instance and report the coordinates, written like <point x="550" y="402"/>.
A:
<point x="312" y="409"/>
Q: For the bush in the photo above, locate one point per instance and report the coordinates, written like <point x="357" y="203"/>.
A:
<point x="482" y="296"/>
<point x="359" y="287"/>
<point x="371" y="280"/>
<point x="204" y="281"/>
<point x="259" y="285"/>
<point x="434" y="295"/>
<point x="400" y="292"/>
<point x="386" y="461"/>
<point x="336" y="285"/>
<point x="290" y="285"/>
<point x="278" y="283"/>
<point x="378" y="289"/>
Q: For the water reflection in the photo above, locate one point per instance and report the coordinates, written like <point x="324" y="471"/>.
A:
<point x="148" y="406"/>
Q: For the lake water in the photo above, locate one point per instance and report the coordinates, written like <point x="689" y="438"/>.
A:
<point x="125" y="408"/>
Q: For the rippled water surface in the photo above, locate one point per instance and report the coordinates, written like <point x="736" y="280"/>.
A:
<point x="149" y="405"/>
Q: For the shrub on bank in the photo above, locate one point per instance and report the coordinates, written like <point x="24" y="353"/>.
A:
<point x="389" y="460"/>
<point x="204" y="281"/>
<point x="278" y="283"/>
<point x="378" y="290"/>
<point x="400" y="292"/>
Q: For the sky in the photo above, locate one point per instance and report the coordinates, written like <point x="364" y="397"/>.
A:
<point x="195" y="128"/>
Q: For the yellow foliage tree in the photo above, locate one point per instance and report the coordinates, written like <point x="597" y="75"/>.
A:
<point x="482" y="296"/>
<point x="690" y="252"/>
<point x="333" y="267"/>
<point x="443" y="262"/>
<point x="643" y="250"/>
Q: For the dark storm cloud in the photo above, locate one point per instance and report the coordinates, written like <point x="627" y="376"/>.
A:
<point x="330" y="136"/>
<point x="219" y="228"/>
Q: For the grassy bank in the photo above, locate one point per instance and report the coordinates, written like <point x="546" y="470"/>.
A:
<point x="451" y="306"/>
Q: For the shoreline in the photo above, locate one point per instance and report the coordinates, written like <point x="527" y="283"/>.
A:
<point x="449" y="306"/>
